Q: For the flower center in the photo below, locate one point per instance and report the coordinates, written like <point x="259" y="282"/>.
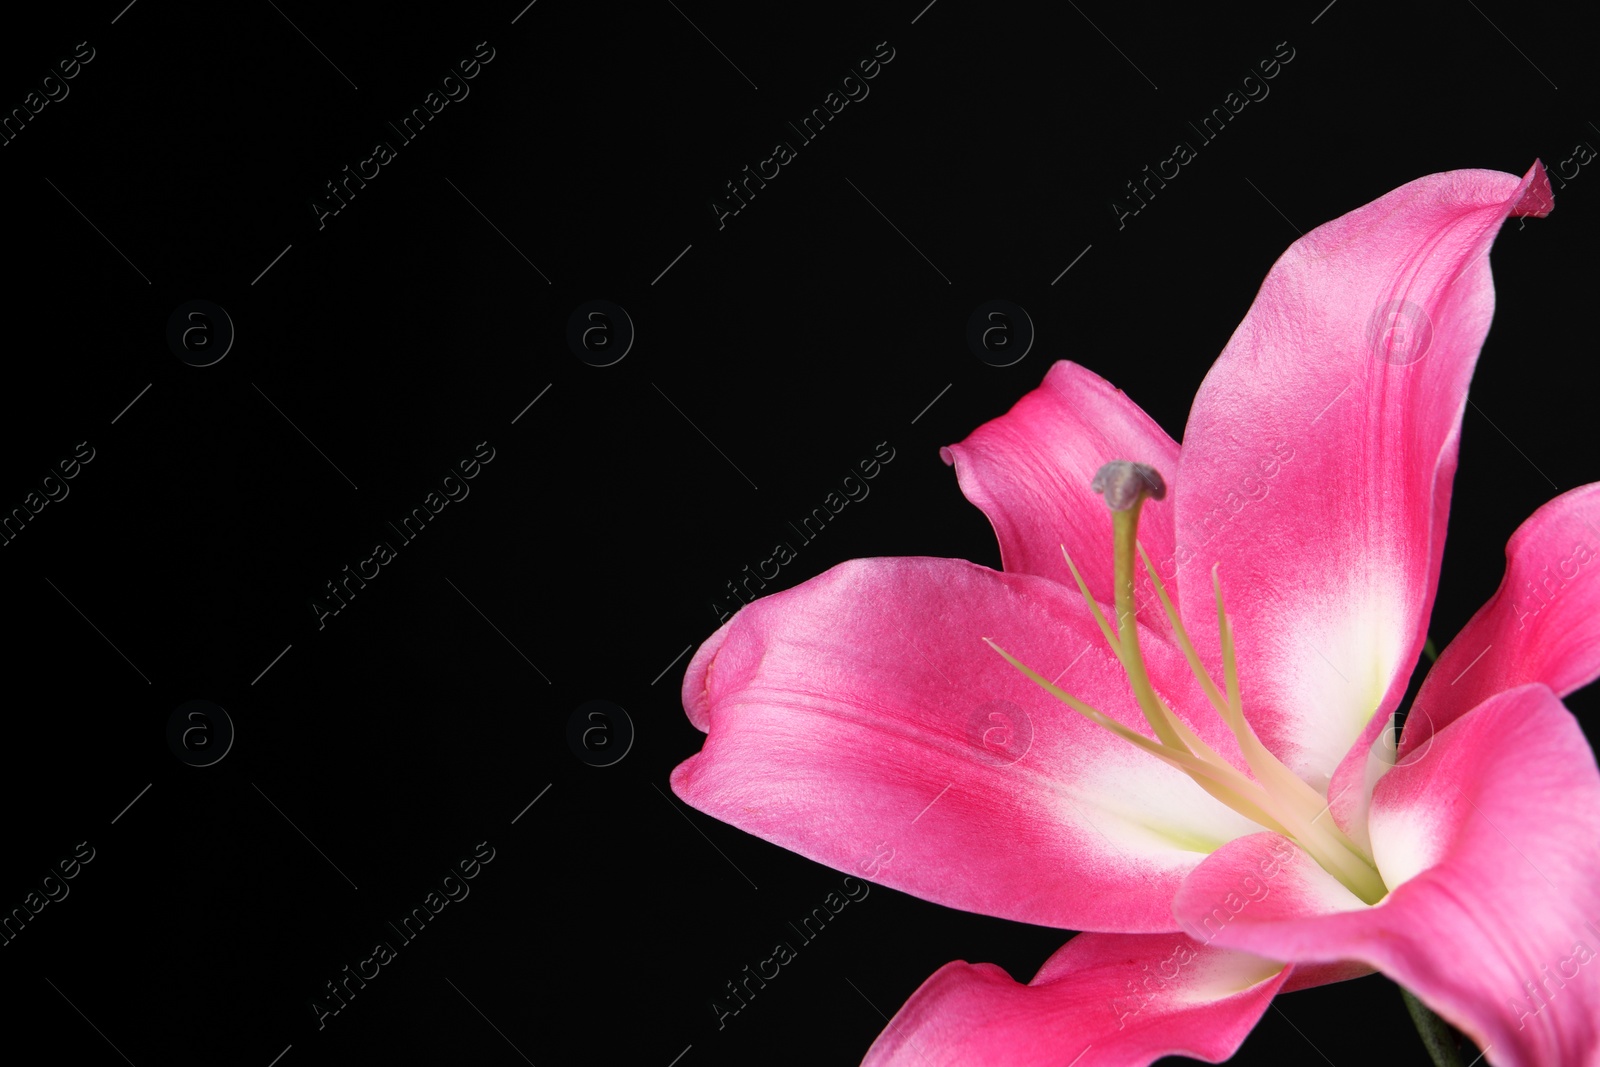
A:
<point x="1272" y="796"/>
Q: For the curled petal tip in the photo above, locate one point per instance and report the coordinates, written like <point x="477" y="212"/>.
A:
<point x="1536" y="198"/>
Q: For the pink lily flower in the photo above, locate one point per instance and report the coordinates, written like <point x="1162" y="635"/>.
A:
<point x="1179" y="734"/>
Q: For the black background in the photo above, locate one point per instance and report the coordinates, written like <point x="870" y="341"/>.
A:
<point x="427" y="714"/>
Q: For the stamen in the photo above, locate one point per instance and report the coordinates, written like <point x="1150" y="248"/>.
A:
<point x="1189" y="739"/>
<point x="1327" y="844"/>
<point x="1222" y="782"/>
<point x="1230" y="666"/>
<point x="1261" y="761"/>
<point x="1277" y="798"/>
<point x="1094" y="606"/>
<point x="1210" y="687"/>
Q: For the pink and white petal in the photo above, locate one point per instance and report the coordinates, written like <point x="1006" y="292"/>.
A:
<point x="859" y="720"/>
<point x="1350" y="790"/>
<point x="1487" y="843"/>
<point x="1541" y="625"/>
<point x="1263" y="890"/>
<point x="1102" y="1000"/>
<point x="1029" y="471"/>
<point x="1319" y="454"/>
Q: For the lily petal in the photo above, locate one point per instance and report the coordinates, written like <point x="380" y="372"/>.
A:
<point x="1541" y="625"/>
<point x="1493" y="919"/>
<point x="859" y="720"/>
<point x="1318" y="457"/>
<point x="1029" y="471"/>
<point x="1110" y="1000"/>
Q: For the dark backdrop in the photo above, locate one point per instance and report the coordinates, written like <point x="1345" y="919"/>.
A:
<point x="378" y="346"/>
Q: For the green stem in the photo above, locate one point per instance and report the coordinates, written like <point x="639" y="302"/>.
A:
<point x="1430" y="650"/>
<point x="1442" y="1040"/>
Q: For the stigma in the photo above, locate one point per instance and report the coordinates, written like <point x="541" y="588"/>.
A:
<point x="1271" y="795"/>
